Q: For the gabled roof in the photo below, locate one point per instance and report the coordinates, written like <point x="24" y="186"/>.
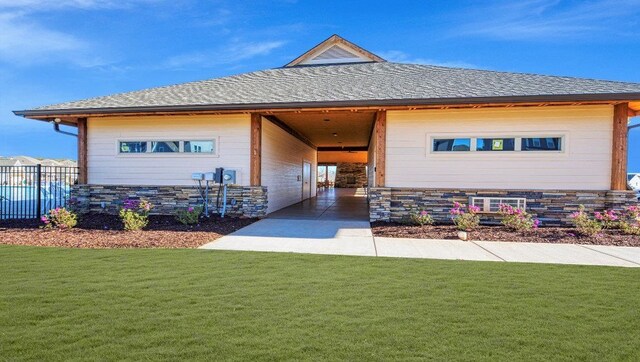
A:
<point x="335" y="50"/>
<point x="372" y="83"/>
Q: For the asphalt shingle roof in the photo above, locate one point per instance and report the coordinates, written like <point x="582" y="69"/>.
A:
<point x="346" y="83"/>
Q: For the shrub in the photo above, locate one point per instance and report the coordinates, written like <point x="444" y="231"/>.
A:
<point x="421" y="218"/>
<point x="517" y="219"/>
<point x="60" y="218"/>
<point x="609" y="218"/>
<point x="465" y="218"/>
<point x="135" y="214"/>
<point x="189" y="216"/>
<point x="630" y="220"/>
<point x="585" y="225"/>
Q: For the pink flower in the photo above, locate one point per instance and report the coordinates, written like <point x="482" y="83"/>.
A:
<point x="190" y="209"/>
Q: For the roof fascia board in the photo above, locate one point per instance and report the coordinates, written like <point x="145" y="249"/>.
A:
<point x="613" y="98"/>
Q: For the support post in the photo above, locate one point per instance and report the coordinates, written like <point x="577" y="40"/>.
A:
<point x="381" y="147"/>
<point x="82" y="152"/>
<point x="619" y="152"/>
<point x="256" y="149"/>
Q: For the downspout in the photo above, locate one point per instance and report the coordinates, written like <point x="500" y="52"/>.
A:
<point x="56" y="128"/>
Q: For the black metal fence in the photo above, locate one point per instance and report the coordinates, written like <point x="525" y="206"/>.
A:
<point x="31" y="191"/>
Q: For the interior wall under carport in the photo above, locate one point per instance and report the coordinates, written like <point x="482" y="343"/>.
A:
<point x="282" y="161"/>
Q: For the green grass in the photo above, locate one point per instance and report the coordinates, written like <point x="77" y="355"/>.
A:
<point x="190" y="304"/>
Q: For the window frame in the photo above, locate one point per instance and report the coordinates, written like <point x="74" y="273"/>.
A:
<point x="180" y="153"/>
<point x="518" y="136"/>
<point x="434" y="138"/>
<point x="215" y="146"/>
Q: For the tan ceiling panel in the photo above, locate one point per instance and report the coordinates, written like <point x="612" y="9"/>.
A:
<point x="351" y="129"/>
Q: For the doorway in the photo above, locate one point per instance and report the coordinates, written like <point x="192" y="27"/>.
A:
<point x="306" y="180"/>
<point x="326" y="176"/>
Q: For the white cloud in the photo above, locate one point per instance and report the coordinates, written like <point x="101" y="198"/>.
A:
<point x="550" y="20"/>
<point x="402" y="57"/>
<point x="231" y="53"/>
<point x="25" y="42"/>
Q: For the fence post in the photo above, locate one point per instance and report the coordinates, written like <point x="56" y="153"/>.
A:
<point x="39" y="190"/>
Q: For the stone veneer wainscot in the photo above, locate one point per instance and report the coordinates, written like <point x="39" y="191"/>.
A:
<point x="552" y="207"/>
<point x="242" y="201"/>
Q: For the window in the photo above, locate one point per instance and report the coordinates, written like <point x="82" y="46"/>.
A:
<point x="542" y="144"/>
<point x="451" y="144"/>
<point x="199" y="146"/>
<point x="496" y="144"/>
<point x="168" y="147"/>
<point x="133" y="147"/>
<point x="165" y="146"/>
<point x="492" y="204"/>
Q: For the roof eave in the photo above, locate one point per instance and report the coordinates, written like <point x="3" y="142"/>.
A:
<point x="612" y="97"/>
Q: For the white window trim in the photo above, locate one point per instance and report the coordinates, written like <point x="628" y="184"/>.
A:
<point x="181" y="153"/>
<point x="485" y="208"/>
<point x="563" y="135"/>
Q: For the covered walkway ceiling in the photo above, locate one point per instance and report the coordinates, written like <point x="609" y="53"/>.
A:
<point x="331" y="129"/>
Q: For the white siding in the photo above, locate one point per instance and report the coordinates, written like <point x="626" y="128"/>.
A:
<point x="107" y="166"/>
<point x="282" y="157"/>
<point x="584" y="164"/>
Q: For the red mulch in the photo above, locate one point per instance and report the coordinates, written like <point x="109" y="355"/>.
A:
<point x="105" y="231"/>
<point x="554" y="235"/>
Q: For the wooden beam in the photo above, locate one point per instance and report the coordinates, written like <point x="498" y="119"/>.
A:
<point x="285" y="127"/>
<point x="256" y="149"/>
<point x="83" y="176"/>
<point x="619" y="154"/>
<point x="345" y="148"/>
<point x="380" y="128"/>
<point x="633" y="113"/>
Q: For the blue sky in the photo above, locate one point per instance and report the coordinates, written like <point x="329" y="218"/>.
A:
<point x="60" y="50"/>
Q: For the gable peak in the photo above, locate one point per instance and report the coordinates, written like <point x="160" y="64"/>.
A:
<point x="335" y="50"/>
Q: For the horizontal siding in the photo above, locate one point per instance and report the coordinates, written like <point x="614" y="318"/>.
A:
<point x="282" y="157"/>
<point x="107" y="166"/>
<point x="585" y="162"/>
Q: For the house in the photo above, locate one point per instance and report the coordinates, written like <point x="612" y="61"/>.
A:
<point x="427" y="135"/>
<point x="633" y="179"/>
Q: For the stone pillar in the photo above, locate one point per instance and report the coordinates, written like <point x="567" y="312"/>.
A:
<point x="379" y="204"/>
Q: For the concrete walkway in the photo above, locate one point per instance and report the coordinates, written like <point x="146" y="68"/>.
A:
<point x="348" y="237"/>
<point x="330" y="204"/>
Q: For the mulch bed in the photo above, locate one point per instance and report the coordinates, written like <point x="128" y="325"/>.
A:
<point x="105" y="231"/>
<point x="553" y="235"/>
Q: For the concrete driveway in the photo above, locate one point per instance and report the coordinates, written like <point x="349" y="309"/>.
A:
<point x="348" y="237"/>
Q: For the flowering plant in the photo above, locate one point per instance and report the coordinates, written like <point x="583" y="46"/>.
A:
<point x="608" y="218"/>
<point x="465" y="217"/>
<point x="135" y="214"/>
<point x="59" y="218"/>
<point x="630" y="220"/>
<point x="421" y="218"/>
<point x="190" y="216"/>
<point x="517" y="219"/>
<point x="584" y="224"/>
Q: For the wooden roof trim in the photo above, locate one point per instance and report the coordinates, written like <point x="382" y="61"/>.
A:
<point x="271" y="111"/>
<point x="333" y="40"/>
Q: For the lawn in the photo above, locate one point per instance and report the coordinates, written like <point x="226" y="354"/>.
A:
<point x="191" y="304"/>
